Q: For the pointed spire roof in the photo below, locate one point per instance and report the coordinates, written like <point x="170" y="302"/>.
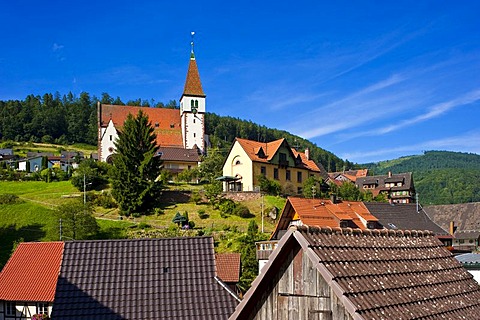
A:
<point x="193" y="85"/>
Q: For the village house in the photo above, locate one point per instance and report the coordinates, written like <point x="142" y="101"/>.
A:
<point x="353" y="274"/>
<point x="29" y="279"/>
<point x="171" y="278"/>
<point x="466" y="240"/>
<point x="180" y="132"/>
<point x="275" y="160"/>
<point x="398" y="188"/>
<point x="339" y="178"/>
<point x="348" y="214"/>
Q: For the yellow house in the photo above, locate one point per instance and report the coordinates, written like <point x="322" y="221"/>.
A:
<point x="275" y="160"/>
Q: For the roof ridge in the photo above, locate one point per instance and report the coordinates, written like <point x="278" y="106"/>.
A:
<point x="367" y="232"/>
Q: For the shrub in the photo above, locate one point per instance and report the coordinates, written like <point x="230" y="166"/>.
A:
<point x="195" y="197"/>
<point x="227" y="206"/>
<point x="8" y="198"/>
<point x="242" y="211"/>
<point x="202" y="214"/>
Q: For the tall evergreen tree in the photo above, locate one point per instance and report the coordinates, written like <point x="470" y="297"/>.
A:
<point x="136" y="166"/>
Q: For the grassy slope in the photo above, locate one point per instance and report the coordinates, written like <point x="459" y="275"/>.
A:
<point x="34" y="218"/>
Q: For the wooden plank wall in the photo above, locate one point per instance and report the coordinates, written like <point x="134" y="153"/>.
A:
<point x="297" y="292"/>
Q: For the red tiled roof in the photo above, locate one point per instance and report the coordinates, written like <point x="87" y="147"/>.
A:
<point x="166" y="122"/>
<point x="193" y="85"/>
<point x="228" y="266"/>
<point x="31" y="273"/>
<point x="252" y="149"/>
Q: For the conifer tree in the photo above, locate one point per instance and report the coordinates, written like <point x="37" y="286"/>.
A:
<point x="136" y="166"/>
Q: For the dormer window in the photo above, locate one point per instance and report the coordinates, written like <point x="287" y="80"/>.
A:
<point x="172" y="126"/>
<point x="157" y="124"/>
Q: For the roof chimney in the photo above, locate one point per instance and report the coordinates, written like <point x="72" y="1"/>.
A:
<point x="307" y="154"/>
<point x="389" y="174"/>
<point x="452" y="228"/>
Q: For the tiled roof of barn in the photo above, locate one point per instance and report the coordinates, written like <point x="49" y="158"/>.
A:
<point x="378" y="274"/>
<point x="31" y="273"/>
<point x="141" y="279"/>
<point x="395" y="274"/>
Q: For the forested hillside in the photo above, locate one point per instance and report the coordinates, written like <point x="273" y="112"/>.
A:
<point x="70" y="119"/>
<point x="441" y="177"/>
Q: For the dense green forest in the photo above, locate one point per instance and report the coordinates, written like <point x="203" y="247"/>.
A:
<point x="441" y="177"/>
<point x="53" y="118"/>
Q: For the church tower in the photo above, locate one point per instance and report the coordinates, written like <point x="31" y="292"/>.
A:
<point x="192" y="108"/>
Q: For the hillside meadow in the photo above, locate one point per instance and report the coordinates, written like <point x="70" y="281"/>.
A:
<point x="33" y="217"/>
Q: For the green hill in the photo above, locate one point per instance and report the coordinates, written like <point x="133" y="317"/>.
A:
<point x="441" y="177"/>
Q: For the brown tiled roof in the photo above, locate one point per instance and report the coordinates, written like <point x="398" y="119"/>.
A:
<point x="376" y="274"/>
<point x="179" y="154"/>
<point x="467" y="234"/>
<point x="228" y="266"/>
<point x="166" y="122"/>
<point x="31" y="273"/>
<point x="141" y="279"/>
<point x="465" y="215"/>
<point x="193" y="85"/>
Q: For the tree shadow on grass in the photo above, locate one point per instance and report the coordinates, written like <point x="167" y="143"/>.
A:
<point x="10" y="235"/>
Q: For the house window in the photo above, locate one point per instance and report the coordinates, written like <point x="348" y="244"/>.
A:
<point x="275" y="173"/>
<point x="237" y="162"/>
<point x="263" y="170"/>
<point x="282" y="157"/>
<point x="461" y="241"/>
<point x="287" y="175"/>
<point x="299" y="177"/>
<point x="299" y="190"/>
<point x="10" y="308"/>
<point x="42" y="308"/>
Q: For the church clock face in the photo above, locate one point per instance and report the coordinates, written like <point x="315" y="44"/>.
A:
<point x="194" y="110"/>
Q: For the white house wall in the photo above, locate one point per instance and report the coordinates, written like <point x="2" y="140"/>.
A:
<point x="24" y="310"/>
<point x="109" y="135"/>
<point x="244" y="169"/>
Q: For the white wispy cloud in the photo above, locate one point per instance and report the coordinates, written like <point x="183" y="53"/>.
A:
<point x="435" y="111"/>
<point x="468" y="142"/>
<point x="57" y="47"/>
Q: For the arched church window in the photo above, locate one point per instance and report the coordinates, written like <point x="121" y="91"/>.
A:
<point x="196" y="103"/>
<point x="191" y="103"/>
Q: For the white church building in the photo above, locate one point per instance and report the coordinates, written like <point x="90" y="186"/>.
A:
<point x="180" y="133"/>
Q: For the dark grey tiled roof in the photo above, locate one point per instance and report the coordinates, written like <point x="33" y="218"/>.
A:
<point x="141" y="279"/>
<point x="179" y="154"/>
<point x="403" y="216"/>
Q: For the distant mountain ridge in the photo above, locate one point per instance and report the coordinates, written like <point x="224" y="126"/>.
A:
<point x="440" y="177"/>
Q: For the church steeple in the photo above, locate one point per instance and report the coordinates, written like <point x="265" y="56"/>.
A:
<point x="193" y="85"/>
<point x="192" y="107"/>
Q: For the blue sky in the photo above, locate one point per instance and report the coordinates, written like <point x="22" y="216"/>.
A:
<point x="366" y="80"/>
